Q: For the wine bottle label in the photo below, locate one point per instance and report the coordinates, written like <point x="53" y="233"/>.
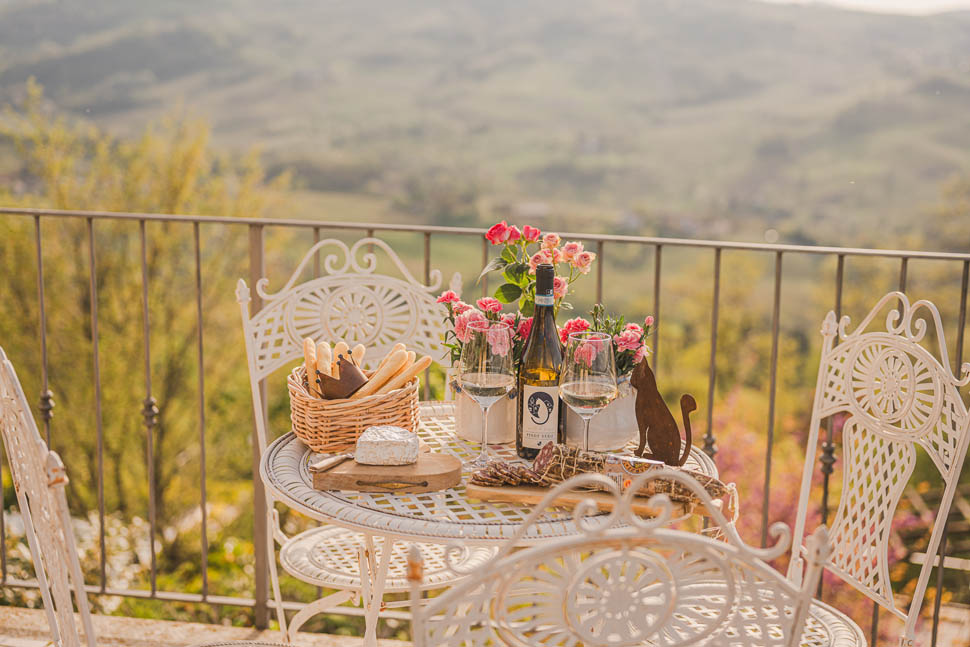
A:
<point x="545" y="300"/>
<point x="540" y="415"/>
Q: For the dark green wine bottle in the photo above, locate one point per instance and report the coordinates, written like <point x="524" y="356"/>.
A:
<point x="539" y="419"/>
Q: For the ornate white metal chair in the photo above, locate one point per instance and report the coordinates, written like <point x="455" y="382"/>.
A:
<point x="350" y="302"/>
<point x="625" y="581"/>
<point x="39" y="479"/>
<point x="896" y="395"/>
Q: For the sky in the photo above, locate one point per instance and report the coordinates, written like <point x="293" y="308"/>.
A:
<point x="889" y="6"/>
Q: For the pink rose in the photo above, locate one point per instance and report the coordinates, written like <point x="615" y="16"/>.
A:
<point x="632" y="327"/>
<point x="642" y="352"/>
<point x="570" y="250"/>
<point x="460" y="307"/>
<point x="513" y="234"/>
<point x="537" y="258"/>
<point x="462" y="321"/>
<point x="489" y="304"/>
<point x="583" y="261"/>
<point x="531" y="233"/>
<point x="550" y="241"/>
<point x="573" y="325"/>
<point x="648" y="321"/>
<point x="500" y="339"/>
<point x="551" y="256"/>
<point x="627" y="340"/>
<point x="525" y="327"/>
<point x="509" y="319"/>
<point x="586" y="353"/>
<point x="448" y="296"/>
<point x="498" y="233"/>
<point x="559" y="287"/>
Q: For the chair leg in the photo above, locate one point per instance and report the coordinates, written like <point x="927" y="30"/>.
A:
<point x="274" y="577"/>
<point x="373" y="578"/>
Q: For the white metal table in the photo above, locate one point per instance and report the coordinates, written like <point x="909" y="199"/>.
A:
<point x="443" y="517"/>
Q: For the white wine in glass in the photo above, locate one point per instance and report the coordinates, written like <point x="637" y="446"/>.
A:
<point x="587" y="398"/>
<point x="486" y="388"/>
<point x="486" y="373"/>
<point x="588" y="380"/>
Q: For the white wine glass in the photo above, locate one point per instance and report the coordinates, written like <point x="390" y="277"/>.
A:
<point x="486" y="372"/>
<point x="587" y="382"/>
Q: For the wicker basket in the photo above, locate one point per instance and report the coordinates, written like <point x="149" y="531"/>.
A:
<point x="334" y="425"/>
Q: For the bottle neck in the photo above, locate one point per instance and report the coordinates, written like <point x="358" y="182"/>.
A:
<point x="544" y="324"/>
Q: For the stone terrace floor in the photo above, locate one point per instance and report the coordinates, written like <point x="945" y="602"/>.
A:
<point x="28" y="628"/>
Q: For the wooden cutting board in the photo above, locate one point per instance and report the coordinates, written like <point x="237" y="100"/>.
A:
<point x="431" y="473"/>
<point x="531" y="495"/>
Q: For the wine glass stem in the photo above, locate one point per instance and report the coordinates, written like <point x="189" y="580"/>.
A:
<point x="483" y="454"/>
<point x="586" y="433"/>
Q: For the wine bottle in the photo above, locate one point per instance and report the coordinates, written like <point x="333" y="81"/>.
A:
<point x="539" y="418"/>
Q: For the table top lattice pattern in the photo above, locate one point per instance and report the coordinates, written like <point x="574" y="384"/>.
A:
<point x="444" y="516"/>
<point x="328" y="556"/>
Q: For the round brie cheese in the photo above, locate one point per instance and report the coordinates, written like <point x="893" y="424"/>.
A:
<point x="386" y="445"/>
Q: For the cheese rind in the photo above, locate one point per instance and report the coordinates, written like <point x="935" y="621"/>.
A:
<point x="386" y="445"/>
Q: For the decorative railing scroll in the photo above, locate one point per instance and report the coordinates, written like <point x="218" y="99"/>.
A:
<point x="624" y="580"/>
<point x="896" y="395"/>
<point x="350" y="302"/>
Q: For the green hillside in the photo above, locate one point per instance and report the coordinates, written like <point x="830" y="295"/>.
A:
<point x="699" y="118"/>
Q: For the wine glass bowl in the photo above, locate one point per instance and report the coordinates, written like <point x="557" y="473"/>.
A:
<point x="588" y="379"/>
<point x="485" y="371"/>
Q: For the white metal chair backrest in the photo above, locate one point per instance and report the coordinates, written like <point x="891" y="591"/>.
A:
<point x="350" y="302"/>
<point x="896" y="395"/>
<point x="39" y="479"/>
<point x="623" y="580"/>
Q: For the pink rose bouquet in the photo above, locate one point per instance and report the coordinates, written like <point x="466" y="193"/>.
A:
<point x="523" y="250"/>
<point x="459" y="315"/>
<point x="629" y="339"/>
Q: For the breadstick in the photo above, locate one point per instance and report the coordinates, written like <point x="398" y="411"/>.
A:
<point x="310" y="364"/>
<point x="382" y="375"/>
<point x="323" y="357"/>
<point x="340" y="348"/>
<point x="403" y="378"/>
<point x="396" y="348"/>
<point x="406" y="365"/>
<point x="357" y="354"/>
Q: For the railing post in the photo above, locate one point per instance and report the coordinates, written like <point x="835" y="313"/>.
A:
<point x="96" y="375"/>
<point x="427" y="281"/>
<point x="601" y="258"/>
<point x="257" y="270"/>
<point x="772" y="387"/>
<point x="149" y="409"/>
<point x="942" y="550"/>
<point x="827" y="459"/>
<point x="710" y="446"/>
<point x="484" y="263"/>
<point x="656" y="307"/>
<point x="203" y="497"/>
<point x="46" y="397"/>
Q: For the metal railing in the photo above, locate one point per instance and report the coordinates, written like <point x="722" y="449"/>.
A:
<point x="256" y="249"/>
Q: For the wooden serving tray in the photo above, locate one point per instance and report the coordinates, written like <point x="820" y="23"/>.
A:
<point x="431" y="473"/>
<point x="532" y="495"/>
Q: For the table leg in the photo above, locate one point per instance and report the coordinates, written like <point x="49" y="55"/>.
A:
<point x="373" y="574"/>
<point x="328" y="603"/>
